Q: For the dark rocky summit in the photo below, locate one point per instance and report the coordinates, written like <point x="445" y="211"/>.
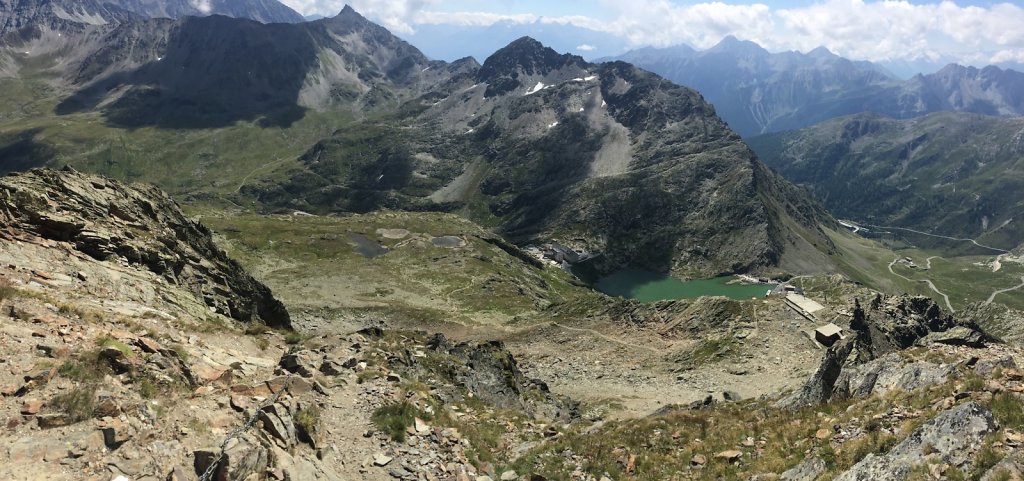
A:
<point x="136" y="225"/>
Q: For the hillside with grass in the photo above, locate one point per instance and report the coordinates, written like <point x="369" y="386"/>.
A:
<point x="950" y="174"/>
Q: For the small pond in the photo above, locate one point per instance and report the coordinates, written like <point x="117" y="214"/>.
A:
<point x="366" y="246"/>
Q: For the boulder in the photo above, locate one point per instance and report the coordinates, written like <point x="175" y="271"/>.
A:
<point x="730" y="455"/>
<point x="808" y="470"/>
<point x="303" y="363"/>
<point x="953" y="436"/>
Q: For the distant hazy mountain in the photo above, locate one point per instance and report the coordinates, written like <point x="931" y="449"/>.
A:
<point x="953" y="173"/>
<point x="62" y="14"/>
<point x="451" y="42"/>
<point x="905" y="69"/>
<point x="759" y="92"/>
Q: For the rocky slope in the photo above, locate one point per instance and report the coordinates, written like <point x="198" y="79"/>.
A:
<point x="758" y="92"/>
<point x="120" y="360"/>
<point x="604" y="158"/>
<point x="956" y="174"/>
<point x="16" y="15"/>
<point x="128" y="226"/>
<point x="116" y="369"/>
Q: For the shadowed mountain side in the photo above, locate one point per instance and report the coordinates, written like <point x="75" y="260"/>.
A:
<point x="23" y="151"/>
<point x="215" y="71"/>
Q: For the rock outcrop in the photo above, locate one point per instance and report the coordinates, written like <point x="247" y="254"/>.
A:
<point x="868" y="362"/>
<point x="136" y="226"/>
<point x="894" y="323"/>
<point x="952" y="437"/>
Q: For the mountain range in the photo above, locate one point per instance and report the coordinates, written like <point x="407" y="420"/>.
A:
<point x="606" y="158"/>
<point x="758" y="92"/>
<point x="952" y="173"/>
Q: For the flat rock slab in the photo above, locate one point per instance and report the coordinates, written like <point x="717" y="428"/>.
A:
<point x="393" y="233"/>
<point x="448" y="241"/>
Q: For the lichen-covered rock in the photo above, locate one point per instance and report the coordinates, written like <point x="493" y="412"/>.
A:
<point x="952" y="437"/>
<point x="491" y="374"/>
<point x="134" y="224"/>
<point x="888" y="373"/>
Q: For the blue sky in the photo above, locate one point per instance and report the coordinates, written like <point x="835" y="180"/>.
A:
<point x="974" y="32"/>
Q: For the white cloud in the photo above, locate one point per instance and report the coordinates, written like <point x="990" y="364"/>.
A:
<point x="663" y="23"/>
<point x="202" y="5"/>
<point x="586" y="48"/>
<point x="883" y="30"/>
<point x="466" y="19"/>
<point x="858" y="29"/>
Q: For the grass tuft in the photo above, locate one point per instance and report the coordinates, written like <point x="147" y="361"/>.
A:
<point x="394" y="419"/>
<point x="77" y="404"/>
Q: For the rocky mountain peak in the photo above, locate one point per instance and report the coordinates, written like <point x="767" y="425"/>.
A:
<point x="735" y="46"/>
<point x="821" y="52"/>
<point x="525" y="56"/>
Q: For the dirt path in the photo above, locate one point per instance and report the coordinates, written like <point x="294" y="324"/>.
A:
<point x="949" y="305"/>
<point x="245" y="179"/>
<point x="928" y="262"/>
<point x="607" y="338"/>
<point x="1000" y="291"/>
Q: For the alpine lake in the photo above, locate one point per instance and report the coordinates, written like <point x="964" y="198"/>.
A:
<point x="646" y="286"/>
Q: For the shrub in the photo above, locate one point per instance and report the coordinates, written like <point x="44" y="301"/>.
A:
<point x="84" y="367"/>
<point x="180" y="351"/>
<point x="256" y="329"/>
<point x="146" y="388"/>
<point x="107" y="341"/>
<point x="77" y="404"/>
<point x="7" y="291"/>
<point x="294" y="338"/>
<point x="1008" y="410"/>
<point x="308" y="421"/>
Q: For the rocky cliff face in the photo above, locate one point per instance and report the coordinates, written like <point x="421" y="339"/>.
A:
<point x="135" y="226"/>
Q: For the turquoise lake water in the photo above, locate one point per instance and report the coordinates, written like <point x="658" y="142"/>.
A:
<point x="646" y="286"/>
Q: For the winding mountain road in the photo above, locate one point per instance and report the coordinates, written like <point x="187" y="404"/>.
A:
<point x="949" y="305"/>
<point x="972" y="241"/>
<point x="1000" y="291"/>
